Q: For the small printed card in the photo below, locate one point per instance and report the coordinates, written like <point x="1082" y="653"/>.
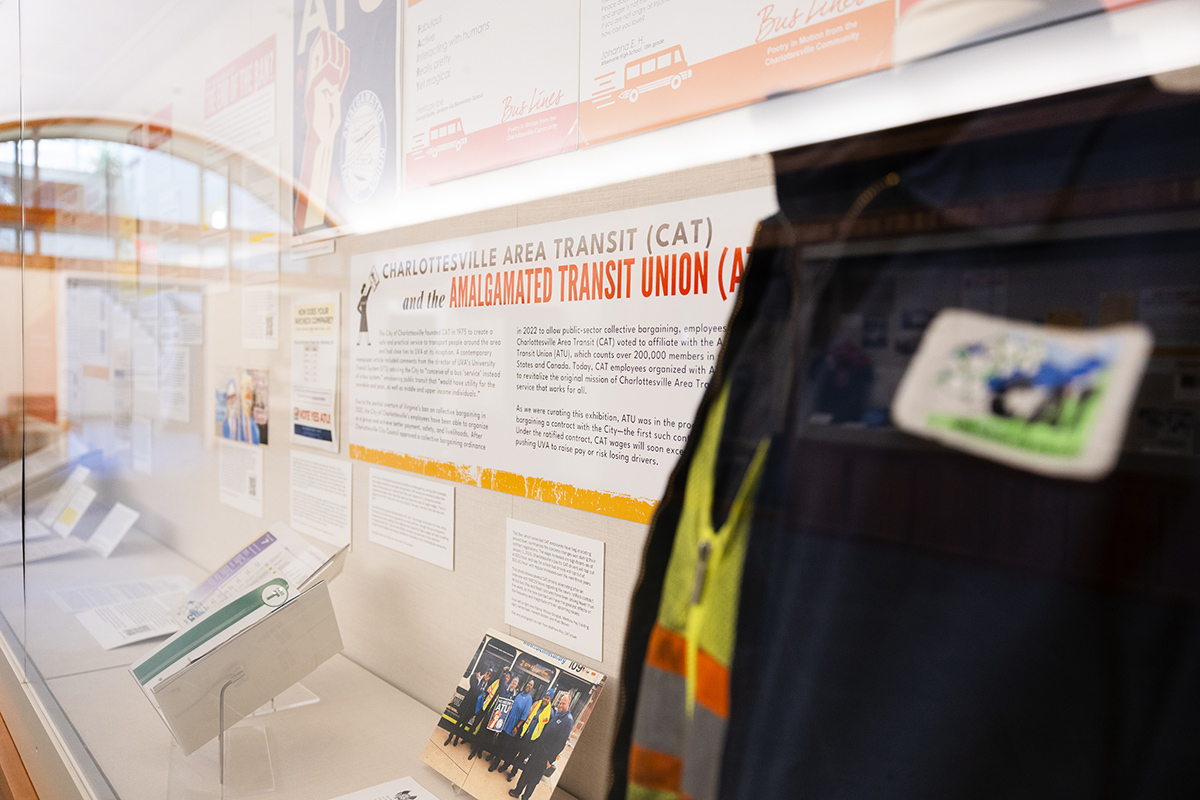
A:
<point x="399" y="789"/>
<point x="1050" y="400"/>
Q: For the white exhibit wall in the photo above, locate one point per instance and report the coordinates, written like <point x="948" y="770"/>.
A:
<point x="410" y="622"/>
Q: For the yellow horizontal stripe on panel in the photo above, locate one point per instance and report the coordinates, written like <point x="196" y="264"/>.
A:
<point x="634" y="509"/>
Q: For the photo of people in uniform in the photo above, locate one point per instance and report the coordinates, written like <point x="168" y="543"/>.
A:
<point x="242" y="403"/>
<point x="513" y="720"/>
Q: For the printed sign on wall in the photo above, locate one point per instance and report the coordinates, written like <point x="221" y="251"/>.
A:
<point x="561" y="362"/>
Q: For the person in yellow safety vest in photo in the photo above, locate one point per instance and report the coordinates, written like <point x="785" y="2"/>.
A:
<point x="509" y="740"/>
<point x="529" y="730"/>
<point x="489" y="741"/>
<point x="548" y="740"/>
<point x="538" y="717"/>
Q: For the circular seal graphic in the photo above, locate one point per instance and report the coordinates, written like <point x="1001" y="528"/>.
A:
<point x="274" y="595"/>
<point x="364" y="146"/>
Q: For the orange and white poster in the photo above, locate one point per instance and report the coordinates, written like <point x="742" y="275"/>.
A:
<point x="487" y="83"/>
<point x="560" y="362"/>
<point x="645" y="64"/>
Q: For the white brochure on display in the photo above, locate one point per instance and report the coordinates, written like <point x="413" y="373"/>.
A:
<point x="561" y="362"/>
<point x="316" y="343"/>
<point x="258" y="645"/>
<point x="278" y="552"/>
<point x="112" y="529"/>
<point x="130" y="621"/>
<point x="262" y="621"/>
<point x="133" y="611"/>
<point x="60" y="499"/>
<point x="76" y="507"/>
<point x="75" y="599"/>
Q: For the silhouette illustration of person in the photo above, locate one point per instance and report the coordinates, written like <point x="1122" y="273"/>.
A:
<point x="362" y="315"/>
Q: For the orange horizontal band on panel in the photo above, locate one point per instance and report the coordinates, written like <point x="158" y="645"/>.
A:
<point x="634" y="509"/>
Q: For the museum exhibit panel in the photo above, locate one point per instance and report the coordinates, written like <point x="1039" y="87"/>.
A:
<point x="600" y="399"/>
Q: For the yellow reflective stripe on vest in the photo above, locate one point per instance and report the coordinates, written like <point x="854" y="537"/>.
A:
<point x="533" y="712"/>
<point x="712" y="545"/>
<point x="675" y="743"/>
<point x="543" y="718"/>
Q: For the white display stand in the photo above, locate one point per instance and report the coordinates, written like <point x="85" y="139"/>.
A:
<point x="265" y="659"/>
<point x="237" y="764"/>
<point x="293" y="697"/>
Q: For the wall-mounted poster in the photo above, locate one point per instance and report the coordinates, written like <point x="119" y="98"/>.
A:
<point x="239" y="100"/>
<point x="487" y="84"/>
<point x="513" y="720"/>
<point x="344" y="149"/>
<point x="560" y="362"/>
<point x="316" y="333"/>
<point x="644" y="65"/>
<point x="243" y="405"/>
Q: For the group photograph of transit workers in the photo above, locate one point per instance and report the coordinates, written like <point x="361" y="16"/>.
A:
<point x="514" y="718"/>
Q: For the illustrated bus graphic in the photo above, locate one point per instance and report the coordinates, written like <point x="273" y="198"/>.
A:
<point x="443" y="137"/>
<point x="664" y="68"/>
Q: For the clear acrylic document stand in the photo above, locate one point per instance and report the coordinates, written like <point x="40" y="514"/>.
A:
<point x="237" y="764"/>
<point x="221" y="747"/>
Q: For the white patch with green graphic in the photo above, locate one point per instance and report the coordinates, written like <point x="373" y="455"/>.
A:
<point x="1050" y="400"/>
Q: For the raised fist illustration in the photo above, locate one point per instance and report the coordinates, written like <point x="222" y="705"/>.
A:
<point x="328" y="71"/>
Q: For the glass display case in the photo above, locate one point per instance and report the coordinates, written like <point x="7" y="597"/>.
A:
<point x="349" y="342"/>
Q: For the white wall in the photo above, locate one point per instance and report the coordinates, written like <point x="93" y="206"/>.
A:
<point x="412" y="623"/>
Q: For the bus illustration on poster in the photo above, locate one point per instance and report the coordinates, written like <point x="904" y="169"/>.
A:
<point x="441" y="137"/>
<point x="645" y="66"/>
<point x="469" y="106"/>
<point x="345" y="158"/>
<point x="667" y="68"/>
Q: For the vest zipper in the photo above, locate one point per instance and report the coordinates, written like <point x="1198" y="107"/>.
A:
<point x="696" y="613"/>
<point x="703" y="551"/>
